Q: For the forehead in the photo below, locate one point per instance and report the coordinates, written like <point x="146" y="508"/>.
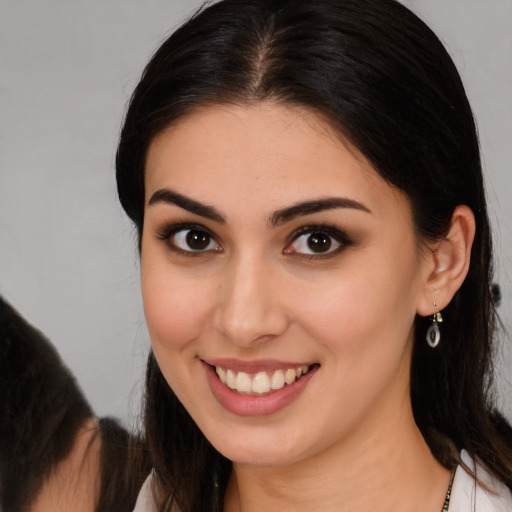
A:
<point x="264" y="154"/>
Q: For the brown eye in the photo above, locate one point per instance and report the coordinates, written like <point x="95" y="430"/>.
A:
<point x="197" y="240"/>
<point x="319" y="242"/>
<point x="194" y="240"/>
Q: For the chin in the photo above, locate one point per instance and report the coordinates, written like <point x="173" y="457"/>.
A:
<point x="260" y="446"/>
<point x="266" y="457"/>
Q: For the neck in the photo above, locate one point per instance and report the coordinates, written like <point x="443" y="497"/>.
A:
<point x="389" y="468"/>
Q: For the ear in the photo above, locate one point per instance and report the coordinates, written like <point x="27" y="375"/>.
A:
<point x="449" y="259"/>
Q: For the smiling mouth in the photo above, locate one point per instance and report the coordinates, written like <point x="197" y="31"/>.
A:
<point x="261" y="383"/>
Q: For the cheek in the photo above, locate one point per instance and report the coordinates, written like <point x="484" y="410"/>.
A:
<point x="364" y="310"/>
<point x="175" y="308"/>
<point x="341" y="322"/>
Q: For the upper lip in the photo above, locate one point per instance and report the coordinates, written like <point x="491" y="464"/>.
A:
<point x="255" y="365"/>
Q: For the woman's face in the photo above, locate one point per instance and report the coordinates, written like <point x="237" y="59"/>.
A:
<point x="272" y="249"/>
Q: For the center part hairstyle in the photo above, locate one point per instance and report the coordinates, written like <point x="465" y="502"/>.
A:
<point x="380" y="77"/>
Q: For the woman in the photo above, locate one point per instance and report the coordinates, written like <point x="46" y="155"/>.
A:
<point x="306" y="184"/>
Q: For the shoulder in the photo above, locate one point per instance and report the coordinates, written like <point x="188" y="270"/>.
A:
<point x="146" y="500"/>
<point x="486" y="495"/>
<point x="148" y="496"/>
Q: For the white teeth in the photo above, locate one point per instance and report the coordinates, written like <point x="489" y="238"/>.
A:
<point x="290" y="376"/>
<point x="221" y="373"/>
<point x="260" y="383"/>
<point x="243" y="383"/>
<point x="277" y="381"/>
<point x="230" y="379"/>
<point x="301" y="371"/>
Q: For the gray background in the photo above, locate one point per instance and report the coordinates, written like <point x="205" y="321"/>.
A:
<point x="67" y="254"/>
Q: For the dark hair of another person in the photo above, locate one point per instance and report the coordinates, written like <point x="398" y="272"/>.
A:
<point x="42" y="409"/>
<point x="380" y="76"/>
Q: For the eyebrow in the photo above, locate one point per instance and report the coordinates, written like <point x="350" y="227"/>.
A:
<point x="279" y="217"/>
<point x="309" y="207"/>
<point x="167" y="196"/>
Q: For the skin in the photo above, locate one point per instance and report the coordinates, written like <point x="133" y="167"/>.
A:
<point x="349" y="440"/>
<point x="74" y="483"/>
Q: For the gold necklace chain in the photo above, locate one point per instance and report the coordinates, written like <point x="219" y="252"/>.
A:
<point x="448" y="493"/>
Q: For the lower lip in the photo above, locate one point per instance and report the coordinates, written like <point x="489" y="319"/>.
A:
<point x="245" y="405"/>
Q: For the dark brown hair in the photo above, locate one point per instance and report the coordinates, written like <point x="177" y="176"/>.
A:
<point x="42" y="410"/>
<point x="381" y="77"/>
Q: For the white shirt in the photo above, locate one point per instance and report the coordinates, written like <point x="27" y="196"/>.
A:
<point x="470" y="496"/>
<point x="467" y="495"/>
<point x="145" y="501"/>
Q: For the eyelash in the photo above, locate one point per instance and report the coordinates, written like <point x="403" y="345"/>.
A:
<point x="165" y="234"/>
<point x="324" y="229"/>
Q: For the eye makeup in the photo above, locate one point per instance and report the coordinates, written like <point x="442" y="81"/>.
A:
<point x="317" y="241"/>
<point x="314" y="241"/>
<point x="188" y="239"/>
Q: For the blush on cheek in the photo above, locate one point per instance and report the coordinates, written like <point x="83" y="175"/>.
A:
<point x="170" y="317"/>
<point x="339" y="314"/>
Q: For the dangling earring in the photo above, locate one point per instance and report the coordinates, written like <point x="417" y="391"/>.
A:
<point x="433" y="332"/>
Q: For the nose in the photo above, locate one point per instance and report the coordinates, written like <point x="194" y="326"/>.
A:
<point x="249" y="310"/>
